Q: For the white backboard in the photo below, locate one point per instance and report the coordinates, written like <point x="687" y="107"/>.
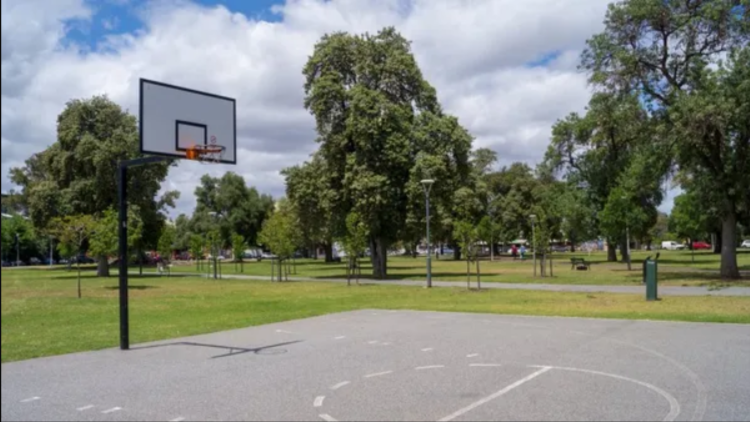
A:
<point x="173" y="118"/>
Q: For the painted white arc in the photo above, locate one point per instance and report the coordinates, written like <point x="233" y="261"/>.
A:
<point x="112" y="410"/>
<point x="30" y="399"/>
<point x="377" y="374"/>
<point x="339" y="385"/>
<point x="420" y="368"/>
<point x="494" y="396"/>
<point x="674" y="405"/>
<point x="81" y="409"/>
<point x="319" y="401"/>
<point x="327" y="418"/>
<point x="180" y="419"/>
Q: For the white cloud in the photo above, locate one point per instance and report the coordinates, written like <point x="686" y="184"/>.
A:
<point x="474" y="53"/>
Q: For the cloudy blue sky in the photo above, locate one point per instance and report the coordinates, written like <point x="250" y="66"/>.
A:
<point x="506" y="68"/>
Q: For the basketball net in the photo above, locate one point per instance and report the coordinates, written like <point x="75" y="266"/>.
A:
<point x="211" y="153"/>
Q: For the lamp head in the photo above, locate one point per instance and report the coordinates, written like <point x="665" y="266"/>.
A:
<point x="532" y="217"/>
<point x="427" y="182"/>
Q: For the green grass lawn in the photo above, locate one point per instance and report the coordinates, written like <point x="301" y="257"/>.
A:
<point x="676" y="268"/>
<point x="41" y="315"/>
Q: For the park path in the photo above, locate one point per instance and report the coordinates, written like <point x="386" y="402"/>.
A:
<point x="585" y="288"/>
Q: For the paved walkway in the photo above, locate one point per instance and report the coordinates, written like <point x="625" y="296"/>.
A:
<point x="635" y="289"/>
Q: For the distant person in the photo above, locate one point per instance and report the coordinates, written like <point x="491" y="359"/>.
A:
<point x="523" y="252"/>
<point x="514" y="252"/>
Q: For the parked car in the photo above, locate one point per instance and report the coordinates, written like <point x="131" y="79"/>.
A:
<point x="745" y="244"/>
<point x="671" y="245"/>
<point x="34" y="261"/>
<point x="701" y="245"/>
<point x="559" y="248"/>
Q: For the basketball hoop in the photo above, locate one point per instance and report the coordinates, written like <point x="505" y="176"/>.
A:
<point x="205" y="153"/>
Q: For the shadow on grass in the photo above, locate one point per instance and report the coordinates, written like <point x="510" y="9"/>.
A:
<point x="132" y="287"/>
<point x="233" y="351"/>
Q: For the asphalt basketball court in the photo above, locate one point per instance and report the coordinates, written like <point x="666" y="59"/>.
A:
<point x="402" y="365"/>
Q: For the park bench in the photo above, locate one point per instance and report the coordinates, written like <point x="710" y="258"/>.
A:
<point x="579" y="263"/>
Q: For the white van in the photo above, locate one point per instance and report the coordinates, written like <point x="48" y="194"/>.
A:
<point x="671" y="245"/>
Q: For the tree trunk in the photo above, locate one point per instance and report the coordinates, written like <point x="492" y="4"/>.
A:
<point x="623" y="250"/>
<point x="468" y="277"/>
<point x="718" y="240"/>
<point x="611" y="252"/>
<point x="102" y="267"/>
<point x="572" y="246"/>
<point x="78" y="266"/>
<point x="328" y="248"/>
<point x="456" y="253"/>
<point x="379" y="258"/>
<point x="551" y="274"/>
<point x="729" y="269"/>
<point x="479" y="274"/>
<point x="349" y="271"/>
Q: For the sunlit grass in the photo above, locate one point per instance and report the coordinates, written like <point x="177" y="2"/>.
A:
<point x="676" y="268"/>
<point x="41" y="315"/>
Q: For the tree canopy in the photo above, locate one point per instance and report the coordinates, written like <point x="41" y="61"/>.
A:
<point x="77" y="174"/>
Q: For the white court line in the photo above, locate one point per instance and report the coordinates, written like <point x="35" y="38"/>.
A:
<point x="327" y="418"/>
<point x="339" y="337"/>
<point x="378" y="374"/>
<point x="386" y="344"/>
<point x="30" y="399"/>
<point x="372" y="342"/>
<point x="674" y="405"/>
<point x="339" y="385"/>
<point x="494" y="396"/>
<point x="429" y="349"/>
<point x="485" y="365"/>
<point x="284" y="332"/>
<point x="81" y="409"/>
<point x="473" y="355"/>
<point x="319" y="401"/>
<point x="180" y="419"/>
<point x="419" y="368"/>
<point x="112" y="410"/>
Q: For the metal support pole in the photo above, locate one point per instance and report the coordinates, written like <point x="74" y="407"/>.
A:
<point x="122" y="229"/>
<point x="51" y="255"/>
<point x="123" y="264"/>
<point x="429" y="249"/>
<point x="18" y="250"/>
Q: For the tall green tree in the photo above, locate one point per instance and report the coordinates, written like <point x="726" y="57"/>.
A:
<point x="241" y="208"/>
<point x="666" y="57"/>
<point x="77" y="174"/>
<point x="309" y="189"/>
<point x="365" y="93"/>
<point x="596" y="150"/>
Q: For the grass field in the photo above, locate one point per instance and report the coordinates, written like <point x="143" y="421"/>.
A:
<point x="676" y="268"/>
<point x="41" y="315"/>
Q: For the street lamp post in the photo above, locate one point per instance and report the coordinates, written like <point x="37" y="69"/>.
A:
<point x="18" y="251"/>
<point x="532" y="217"/>
<point x="427" y="185"/>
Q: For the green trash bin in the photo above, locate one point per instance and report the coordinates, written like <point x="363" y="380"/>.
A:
<point x="651" y="280"/>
